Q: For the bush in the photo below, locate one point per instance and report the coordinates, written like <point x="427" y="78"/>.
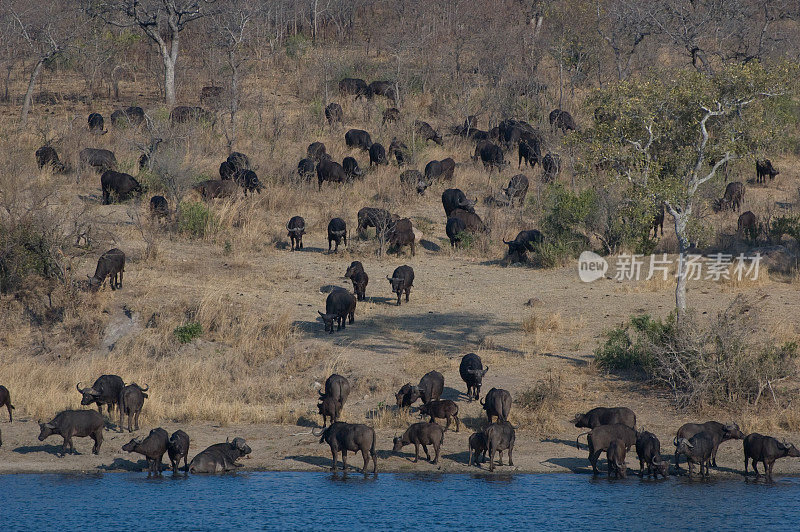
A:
<point x="723" y="361"/>
<point x="188" y="332"/>
<point x="195" y="219"/>
<point x="26" y="250"/>
<point x="784" y="225"/>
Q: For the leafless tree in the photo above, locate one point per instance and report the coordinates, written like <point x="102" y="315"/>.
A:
<point x="624" y="25"/>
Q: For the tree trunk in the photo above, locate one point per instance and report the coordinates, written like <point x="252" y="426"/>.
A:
<point x="26" y="104"/>
<point x="683" y="245"/>
<point x="169" y="80"/>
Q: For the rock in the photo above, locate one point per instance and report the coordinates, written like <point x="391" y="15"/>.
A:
<point x="534" y="302"/>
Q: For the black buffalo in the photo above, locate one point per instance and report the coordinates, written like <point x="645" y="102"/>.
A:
<point x="472" y="222"/>
<point x="337" y="232"/>
<point x="177" y="448"/>
<point x="605" y="416"/>
<point x="477" y="448"/>
<point x="100" y="160"/>
<point x="383" y="88"/>
<point x="305" y="168"/>
<point x="122" y="186"/>
<point x="74" y="423"/>
<point x="426" y="132"/>
<point x="497" y="403"/>
<point x="766" y="449"/>
<point x="455" y="230"/>
<point x="316" y="151"/>
<point x="296" y="228"/>
<point x="732" y="199"/>
<point x="248" y="180"/>
<point x="440" y="170"/>
<point x="697" y="450"/>
<point x="131" y="401"/>
<point x="490" y="154"/>
<point x="47" y="156"/>
<point x="429" y="389"/>
<point x="377" y="154"/>
<point x="524" y="242"/>
<point x="529" y="151"/>
<point x="351" y="168"/>
<point x="517" y="189"/>
<point x="765" y="168"/>
<point x="392" y="114"/>
<point x="104" y="391"/>
<point x="358" y="138"/>
<point x="337" y="389"/>
<point x="472" y="371"/>
<point x="355" y="272"/>
<point x="441" y="409"/>
<point x="159" y="207"/>
<point x="615" y="456"/>
<point x="402" y="234"/>
<point x="718" y="432"/>
<point x="355" y="87"/>
<point x="183" y="114"/>
<point x="562" y="120"/>
<point x="334" y="113"/>
<point x="551" y="166"/>
<point x="328" y="170"/>
<point x="340" y="305"/>
<point x="96" y="123"/>
<point x="648" y="449"/>
<point x="399" y="151"/>
<point x="500" y="436"/>
<point x="152" y="447"/>
<point x="344" y="437"/>
<point x="423" y="434"/>
<point x="217" y="188"/>
<point x="5" y="400"/>
<point x="454" y="198"/>
<point x="381" y="219"/>
<point x="600" y="437"/>
<point x="110" y="264"/>
<point x="402" y="280"/>
<point x="414" y="179"/>
<point x="220" y="457"/>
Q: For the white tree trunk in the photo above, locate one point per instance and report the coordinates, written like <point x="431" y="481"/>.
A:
<point x="26" y="103"/>
<point x="169" y="80"/>
<point x="683" y="246"/>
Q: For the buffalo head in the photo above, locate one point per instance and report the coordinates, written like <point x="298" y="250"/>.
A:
<point x="46" y="430"/>
<point x="132" y="445"/>
<point x="398" y="444"/>
<point x="789" y="448"/>
<point x="731" y="431"/>
<point x="581" y="421"/>
<point x="90" y="395"/>
<point x="238" y="444"/>
<point x="328" y="319"/>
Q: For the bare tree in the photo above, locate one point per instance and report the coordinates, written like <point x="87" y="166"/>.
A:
<point x="162" y="21"/>
<point x="623" y="24"/>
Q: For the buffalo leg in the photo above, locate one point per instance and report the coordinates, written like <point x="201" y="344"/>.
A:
<point x="185" y="462"/>
<point x="344" y="460"/>
<point x="10" y="417"/>
<point x="98" y="440"/>
<point x="755" y="468"/>
<point x="458" y="424"/>
<point x="510" y="459"/>
<point x="491" y="459"/>
<point x="333" y="455"/>
<point x="136" y="420"/>
<point x="427" y="454"/>
<point x="365" y="456"/>
<point x="746" y="460"/>
<point x="593" y="456"/>
<point x="120" y="419"/>
<point x="130" y="419"/>
<point x="768" y="467"/>
<point x="398" y="297"/>
<point x="714" y="456"/>
<point x="446" y="425"/>
<point x="436" y="447"/>
<point x="120" y="278"/>
<point x="416" y="452"/>
<point x="352" y="317"/>
<point x="408" y="291"/>
<point x="329" y="246"/>
<point x="641" y="468"/>
<point x="470" y="454"/>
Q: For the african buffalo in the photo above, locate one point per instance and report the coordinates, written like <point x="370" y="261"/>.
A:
<point x="441" y="409"/>
<point x="600" y="437"/>
<point x="477" y="448"/>
<point x="355" y="87"/>
<point x="497" y="403"/>
<point x="381" y="219"/>
<point x="765" y="168"/>
<point x="747" y="223"/>
<point x="658" y="220"/>
<point x="472" y="222"/>
<point x="383" y="88"/>
<point x="402" y="234"/>
<point x="220" y="457"/>
<point x="47" y="156"/>
<point x="131" y="400"/>
<point x="110" y="264"/>
<point x="248" y="180"/>
<point x="423" y="434"/>
<point x="399" y="151"/>
<point x="315" y="151"/>
<point x="414" y="179"/>
<point x="121" y="185"/>
<point x="340" y="305"/>
<point x="74" y="423"/>
<point x="440" y="170"/>
<point x="337" y="232"/>
<point x="334" y="113"/>
<point x="426" y="132"/>
<point x="605" y="416"/>
<point x="392" y="114"/>
<point x="454" y="198"/>
<point x="766" y="449"/>
<point x="429" y="389"/>
<point x="551" y="165"/>
<point x="183" y="114"/>
<point x="96" y="123"/>
<point x="152" y="447"/>
<point x="5" y="400"/>
<point x="177" y="448"/>
<point x="337" y="388"/>
<point x="490" y="154"/>
<point x="104" y="391"/>
<point x="343" y="437"/>
<point x="305" y="168"/>
<point x="329" y="408"/>
<point x="524" y="242"/>
<point x="402" y="280"/>
<point x="648" y="449"/>
<point x="615" y="454"/>
<point x="296" y="228"/>
<point x="455" y="230"/>
<point x="100" y="160"/>
<point x="159" y="208"/>
<point x="358" y="138"/>
<point x="718" y="432"/>
<point x="351" y="168"/>
<point x="562" y="120"/>
<point x="697" y="450"/>
<point x="530" y="151"/>
<point x="732" y="199"/>
<point x="216" y="188"/>
<point x="517" y="189"/>
<point x="377" y="155"/>
<point x="472" y="371"/>
<point x="500" y="436"/>
<point x="329" y="170"/>
<point x="355" y="272"/>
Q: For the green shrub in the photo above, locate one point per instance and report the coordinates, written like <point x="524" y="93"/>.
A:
<point x="188" y="332"/>
<point x="26" y="249"/>
<point x="784" y="225"/>
<point x="195" y="219"/>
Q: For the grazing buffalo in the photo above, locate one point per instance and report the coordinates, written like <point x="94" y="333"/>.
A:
<point x="402" y="280"/>
<point x="477" y="448"/>
<point x="332" y="400"/>
<point x="100" y="160"/>
<point x="329" y="408"/>
<point x="226" y="170"/>
<point x="305" y="168"/>
<point x="96" y="123"/>
<point x="381" y="219"/>
<point x="121" y="185"/>
<point x="517" y="189"/>
<point x="133" y="115"/>
<point x="358" y="138"/>
<point x="383" y="88"/>
<point x="351" y="167"/>
<point x="402" y="234"/>
<point x="615" y="455"/>
<point x="747" y="224"/>
<point x="732" y="199"/>
<point x="296" y="228"/>
<point x="248" y="180"/>
<point x="697" y="450"/>
<point x="152" y="447"/>
<point x="239" y="162"/>
<point x="524" y="242"/>
<point x="392" y="114"/>
<point x="765" y="168"/>
<point x="355" y="87"/>
<point x="110" y="264"/>
<point x="472" y="221"/>
<point x="605" y="416"/>
<point x="530" y="151"/>
<point x="454" y="198"/>
<point x="220" y="457"/>
<point x="5" y="400"/>
<point x="551" y="165"/>
<point x="497" y="403"/>
<point x="399" y="151"/>
<point x="74" y="423"/>
<point x="316" y="151"/>
<point x="440" y="170"/>
<point x="159" y="207"/>
<point x="47" y="156"/>
<point x="429" y="389"/>
<point x="337" y="232"/>
<point x="472" y="371"/>
<point x="183" y="114"/>
<point x="344" y="437"/>
<point x="216" y="188"/>
<point x="177" y="448"/>
<point x="441" y="409"/>
<point x="718" y="432"/>
<point x="355" y="272"/>
<point x="414" y="179"/>
<point x="455" y="230"/>
<point x="377" y="154"/>
<point x="648" y="449"/>
<point x="423" y="434"/>
<point x="658" y="220"/>
<point x="600" y="437"/>
<point x="562" y="120"/>
<point x="490" y="154"/>
<point x="766" y="449"/>
<point x="426" y="132"/>
<point x="340" y="305"/>
<point x="334" y="113"/>
<point x="104" y="391"/>
<point x="500" y="436"/>
<point x="509" y="132"/>
<point x="131" y="401"/>
<point x="328" y="170"/>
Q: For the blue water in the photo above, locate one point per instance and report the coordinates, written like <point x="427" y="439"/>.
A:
<point x="316" y="501"/>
